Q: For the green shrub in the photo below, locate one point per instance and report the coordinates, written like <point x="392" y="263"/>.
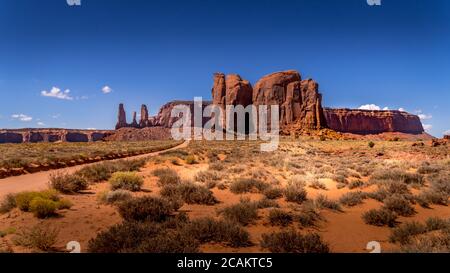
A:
<point x="103" y="171"/>
<point x="280" y="218"/>
<point x="43" y="208"/>
<point x="166" y="176"/>
<point x="381" y="217"/>
<point x="64" y="204"/>
<point x="191" y="160"/>
<point x="23" y="199"/>
<point x="8" y="203"/>
<point x="68" y="183"/>
<point x="126" y="181"/>
<point x="248" y="185"/>
<point x="294" y="242"/>
<point x="371" y="144"/>
<point x="40" y="237"/>
<point x="244" y="212"/>
<point x="190" y="193"/>
<point x="146" y="209"/>
<point x="352" y="198"/>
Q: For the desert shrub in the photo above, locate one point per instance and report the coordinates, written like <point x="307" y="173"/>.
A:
<point x="352" y="198"/>
<point x="355" y="184"/>
<point x="403" y="233"/>
<point x="431" y="196"/>
<point x="8" y="203"/>
<point x="323" y="202"/>
<point x="266" y="203"/>
<point x="297" y="180"/>
<point x="23" y="199"/>
<point x="207" y="230"/>
<point x="64" y="204"/>
<point x="68" y="183"/>
<point x="168" y="242"/>
<point x="191" y="160"/>
<point x="388" y="188"/>
<point x="146" y="209"/>
<point x="399" y="205"/>
<point x="295" y="193"/>
<point x="380" y="217"/>
<point x="166" y="176"/>
<point x="294" y="242"/>
<point x="247" y="185"/>
<point x="175" y="161"/>
<point x="273" y="193"/>
<point x="43" y="208"/>
<point x="190" y="193"/>
<point x="397" y="175"/>
<point x="126" y="181"/>
<point x="280" y="218"/>
<point x="113" y="197"/>
<point x="218" y="166"/>
<point x="440" y="184"/>
<point x="429" y="243"/>
<point x="103" y="171"/>
<point x="244" y="212"/>
<point x="371" y="144"/>
<point x="428" y="169"/>
<point x="40" y="237"/>
<point x="207" y="176"/>
<point x="316" y="184"/>
<point x="308" y="215"/>
<point x="435" y="223"/>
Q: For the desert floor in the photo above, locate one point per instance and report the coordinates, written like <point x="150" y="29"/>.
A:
<point x="331" y="169"/>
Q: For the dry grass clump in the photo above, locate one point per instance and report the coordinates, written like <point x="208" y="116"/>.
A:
<point x="166" y="176"/>
<point x="68" y="183"/>
<point x="295" y="192"/>
<point x="316" y="184"/>
<point x="190" y="193"/>
<point x="273" y="193"/>
<point x="398" y="176"/>
<point x="399" y="204"/>
<point x="351" y="199"/>
<point x="147" y="209"/>
<point x="8" y="203"/>
<point x="39" y="237"/>
<point x="129" y="181"/>
<point x="114" y="197"/>
<point x="244" y="185"/>
<point x="355" y="184"/>
<point x="309" y="215"/>
<point x="380" y="217"/>
<point x="322" y="201"/>
<point x="191" y="160"/>
<point x="278" y="217"/>
<point x="293" y="242"/>
<point x="244" y="212"/>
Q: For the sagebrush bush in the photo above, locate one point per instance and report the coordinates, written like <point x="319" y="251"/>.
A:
<point x="322" y="201"/>
<point x="427" y="197"/>
<point x="166" y="176"/>
<point x="308" y="215"/>
<point x="207" y="176"/>
<point x="207" y="230"/>
<point x="380" y="217"/>
<point x="245" y="212"/>
<point x="352" y="198"/>
<point x="355" y="184"/>
<point x="316" y="184"/>
<point x="68" y="183"/>
<point x="273" y="193"/>
<point x="397" y="175"/>
<point x="399" y="205"/>
<point x="146" y="209"/>
<point x="294" y="242"/>
<point x="278" y="217"/>
<point x="113" y="197"/>
<point x="295" y="193"/>
<point x="126" y="181"/>
<point x="190" y="193"/>
<point x="8" y="203"/>
<point x="266" y="203"/>
<point x="404" y="232"/>
<point x="248" y="185"/>
<point x="43" y="208"/>
<point x="40" y="237"/>
<point x="103" y="171"/>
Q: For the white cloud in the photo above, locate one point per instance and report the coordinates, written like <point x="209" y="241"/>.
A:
<point x="40" y="123"/>
<point x="372" y="107"/>
<point x="91" y="128"/>
<point x="57" y="93"/>
<point x="425" y="116"/>
<point x="401" y="109"/>
<point x="447" y="132"/>
<point x="22" y="117"/>
<point x="106" y="89"/>
<point x="427" y="127"/>
<point x="386" y="108"/>
<point x="55" y="116"/>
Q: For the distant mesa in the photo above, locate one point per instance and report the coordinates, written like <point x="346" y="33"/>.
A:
<point x="300" y="105"/>
<point x="52" y="135"/>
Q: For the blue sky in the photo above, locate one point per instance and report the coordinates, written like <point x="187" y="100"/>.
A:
<point x="56" y="59"/>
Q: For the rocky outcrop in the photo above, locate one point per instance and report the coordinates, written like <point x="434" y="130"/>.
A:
<point x="121" y="118"/>
<point x="144" y="122"/>
<point x="372" y="122"/>
<point x="134" y="124"/>
<point x="447" y="137"/>
<point x="52" y="135"/>
<point x="231" y="90"/>
<point x="299" y="101"/>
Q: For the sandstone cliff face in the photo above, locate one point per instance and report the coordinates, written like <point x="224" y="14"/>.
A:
<point x="231" y="90"/>
<point x="299" y="101"/>
<point x="372" y="122"/>
<point x="121" y="118"/>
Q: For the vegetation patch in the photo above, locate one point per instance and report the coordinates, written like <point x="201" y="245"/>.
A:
<point x="294" y="242"/>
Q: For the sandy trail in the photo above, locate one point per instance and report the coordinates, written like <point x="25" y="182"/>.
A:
<point x="39" y="181"/>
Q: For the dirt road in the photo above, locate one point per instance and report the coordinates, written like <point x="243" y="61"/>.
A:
<point x="39" y="181"/>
